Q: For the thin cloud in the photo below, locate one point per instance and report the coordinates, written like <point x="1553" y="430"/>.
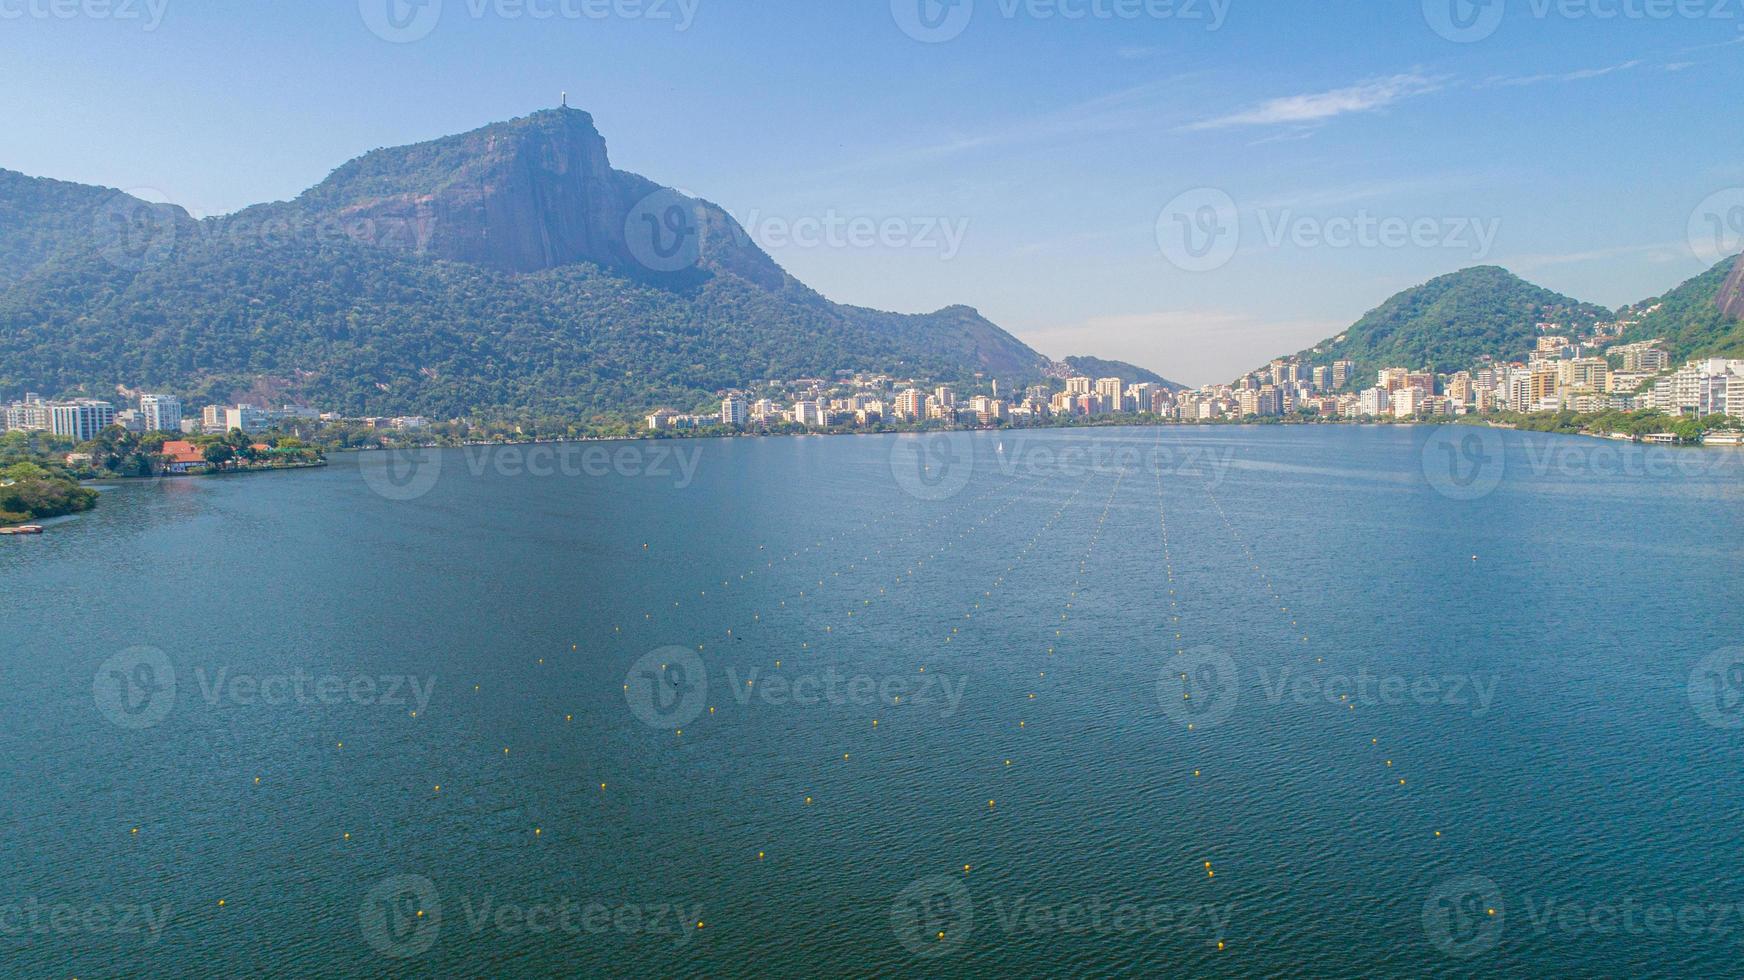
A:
<point x="1657" y="252"/>
<point x="1342" y="194"/>
<point x="1582" y="75"/>
<point x="1136" y="108"/>
<point x="1318" y="107"/>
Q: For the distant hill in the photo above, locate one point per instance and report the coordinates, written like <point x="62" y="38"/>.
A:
<point x="1448" y="323"/>
<point x="510" y="268"/>
<point x="1704" y="317"/>
<point x="41" y="219"/>
<point x="1096" y="367"/>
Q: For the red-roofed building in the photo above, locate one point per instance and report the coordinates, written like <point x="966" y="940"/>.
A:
<point x="181" y="456"/>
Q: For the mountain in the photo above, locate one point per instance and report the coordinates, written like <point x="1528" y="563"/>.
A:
<point x="1448" y="323"/>
<point x="1704" y="317"/>
<point x="502" y="270"/>
<point x="1096" y="367"/>
<point x="41" y="219"/>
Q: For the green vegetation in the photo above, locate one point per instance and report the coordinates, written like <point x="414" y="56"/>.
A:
<point x="1700" y="318"/>
<point x="41" y="219"/>
<point x="1687" y="429"/>
<point x="363" y="331"/>
<point x="33" y="486"/>
<point x="1450" y="323"/>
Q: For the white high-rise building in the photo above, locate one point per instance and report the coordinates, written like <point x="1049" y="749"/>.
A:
<point x="735" y="411"/>
<point x="247" y="418"/>
<point x="911" y="404"/>
<point x="82" y="419"/>
<point x="1111" y="390"/>
<point x="162" y="413"/>
<point x="29" y="415"/>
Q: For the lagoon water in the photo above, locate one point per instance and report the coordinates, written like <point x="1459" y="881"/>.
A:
<point x="1451" y="706"/>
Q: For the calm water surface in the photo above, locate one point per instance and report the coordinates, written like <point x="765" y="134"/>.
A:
<point x="793" y="693"/>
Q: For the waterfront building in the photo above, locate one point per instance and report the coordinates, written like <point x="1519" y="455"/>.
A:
<point x="82" y="419"/>
<point x="29" y="415"/>
<point x="735" y="411"/>
<point x="1111" y="392"/>
<point x="161" y="413"/>
<point x="911" y="405"/>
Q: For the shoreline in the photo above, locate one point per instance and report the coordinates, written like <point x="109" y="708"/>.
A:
<point x="1113" y="423"/>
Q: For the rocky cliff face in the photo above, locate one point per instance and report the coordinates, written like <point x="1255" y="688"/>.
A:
<point x="1731" y="295"/>
<point x="533" y="194"/>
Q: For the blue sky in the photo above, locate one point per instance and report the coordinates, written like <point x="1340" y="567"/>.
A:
<point x="1040" y="167"/>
